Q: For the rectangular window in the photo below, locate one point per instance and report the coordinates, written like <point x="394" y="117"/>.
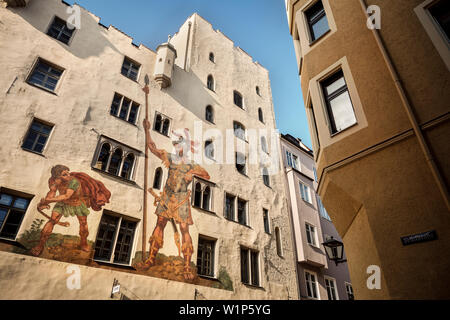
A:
<point x="317" y="20"/>
<point x="289" y="158"/>
<point x="242" y="211"/>
<point x="61" y="30"/>
<point x="130" y="69"/>
<point x="295" y="162"/>
<point x="45" y="75"/>
<point x="12" y="211"/>
<point x="115" y="239"/>
<point x="440" y="11"/>
<point x="241" y="161"/>
<point x="305" y="192"/>
<point x="205" y="257"/>
<point x="250" y="266"/>
<point x="310" y="234"/>
<point x="37" y="136"/>
<point x="349" y="290"/>
<point x="322" y="210"/>
<point x="229" y="206"/>
<point x="339" y="105"/>
<point x="125" y="109"/>
<point x="266" y="221"/>
<point x="331" y="288"/>
<point x="311" y="285"/>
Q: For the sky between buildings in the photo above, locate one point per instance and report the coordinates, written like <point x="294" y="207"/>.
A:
<point x="257" y="26"/>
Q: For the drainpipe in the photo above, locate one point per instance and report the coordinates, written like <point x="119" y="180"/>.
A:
<point x="407" y="106"/>
<point x="187" y="44"/>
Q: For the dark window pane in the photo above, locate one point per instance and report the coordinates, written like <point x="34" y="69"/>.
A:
<point x="255" y="268"/>
<point x="36" y="137"/>
<point x="103" y="244"/>
<point x="45" y="75"/>
<point x="21" y="203"/>
<point x="229" y="207"/>
<point x="115" y="104"/>
<point x="158" y="123"/>
<point x="237" y="99"/>
<point x="116" y="159"/>
<point x="3" y="213"/>
<point x="206" y="198"/>
<point x="441" y="13"/>
<point x="157" y="179"/>
<point x="317" y="20"/>
<point x="205" y="257"/>
<point x="165" y="129"/>
<point x="242" y="212"/>
<point x="122" y="251"/>
<point x="133" y="113"/>
<point x="5" y="199"/>
<point x="102" y="161"/>
<point x="197" y="195"/>
<point x="11" y="224"/>
<point x="124" y="110"/>
<point x="127" y="166"/>
<point x="130" y="69"/>
<point x="60" y="31"/>
<point x="244" y="266"/>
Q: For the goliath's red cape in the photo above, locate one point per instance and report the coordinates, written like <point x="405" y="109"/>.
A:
<point x="95" y="191"/>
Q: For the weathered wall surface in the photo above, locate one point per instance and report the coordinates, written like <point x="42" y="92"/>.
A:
<point x="80" y="113"/>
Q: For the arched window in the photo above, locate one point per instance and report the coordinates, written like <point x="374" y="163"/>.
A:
<point x="264" y="145"/>
<point x="116" y="160"/>
<point x="211" y="57"/>
<point x="239" y="130"/>
<point x="165" y="128"/>
<point x="103" y="157"/>
<point x="210" y="83"/>
<point x="206" y="198"/>
<point x="127" y="166"/>
<point x="209" y="114"/>
<point x="257" y="91"/>
<point x="158" y="123"/>
<point x="209" y="149"/>
<point x="157" y="179"/>
<point x="198" y="195"/>
<point x="237" y="98"/>
<point x="260" y="115"/>
<point x="278" y="240"/>
<point x="266" y="178"/>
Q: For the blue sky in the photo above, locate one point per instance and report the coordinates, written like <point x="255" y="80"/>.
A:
<point x="257" y="26"/>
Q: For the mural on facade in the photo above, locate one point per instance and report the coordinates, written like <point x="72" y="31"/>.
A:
<point x="77" y="192"/>
<point x="173" y="205"/>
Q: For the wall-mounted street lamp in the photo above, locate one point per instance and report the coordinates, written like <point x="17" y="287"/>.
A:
<point x="334" y="250"/>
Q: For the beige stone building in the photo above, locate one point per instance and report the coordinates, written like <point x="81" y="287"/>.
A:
<point x="376" y="86"/>
<point x="319" y="278"/>
<point x="72" y="107"/>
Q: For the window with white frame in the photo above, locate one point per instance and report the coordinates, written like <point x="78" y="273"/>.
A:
<point x="205" y="256"/>
<point x="349" y="290"/>
<point x="162" y="124"/>
<point x="305" y="192"/>
<point x="311" y="234"/>
<point x="115" y="158"/>
<point x="311" y="285"/>
<point x="330" y="283"/>
<point x="341" y="114"/>
<point x="124" y="108"/>
<point x="292" y="160"/>
<point x="115" y="238"/>
<point x="250" y="266"/>
<point x="323" y="212"/>
<point x="203" y="194"/>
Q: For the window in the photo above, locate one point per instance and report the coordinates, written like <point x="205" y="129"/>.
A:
<point x="115" y="158"/>
<point x="311" y="285"/>
<point x="157" y="180"/>
<point x="209" y="114"/>
<point x="339" y="105"/>
<point x="211" y="57"/>
<point x="317" y="20"/>
<point x="292" y="160"/>
<point x="242" y="211"/>
<point x="266" y="220"/>
<point x="239" y="130"/>
<point x="310" y="234"/>
<point x="162" y="124"/>
<point x="278" y="240"/>
<point x="237" y="98"/>
<point x="12" y="211"/>
<point x="115" y="239"/>
<point x="349" y="290"/>
<point x="249" y="266"/>
<point x="257" y="91"/>
<point x="125" y="109"/>
<point x="305" y="192"/>
<point x="323" y="212"/>
<point x="330" y="283"/>
<point x="37" y="136"/>
<point x="264" y="145"/>
<point x="209" y="149"/>
<point x="205" y="257"/>
<point x="210" y="83"/>
<point x="61" y="30"/>
<point x="266" y="178"/>
<point x="130" y="69"/>
<point x="229" y="206"/>
<point x="45" y="75"/>
<point x="440" y="11"/>
<point x="315" y="174"/>
<point x="202" y="194"/>
<point x="241" y="161"/>
<point x="260" y="115"/>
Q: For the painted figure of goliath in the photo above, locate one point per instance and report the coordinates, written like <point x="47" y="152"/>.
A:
<point x="77" y="192"/>
<point x="173" y="204"/>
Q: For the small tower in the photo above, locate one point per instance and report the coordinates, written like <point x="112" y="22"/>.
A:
<point x="165" y="59"/>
